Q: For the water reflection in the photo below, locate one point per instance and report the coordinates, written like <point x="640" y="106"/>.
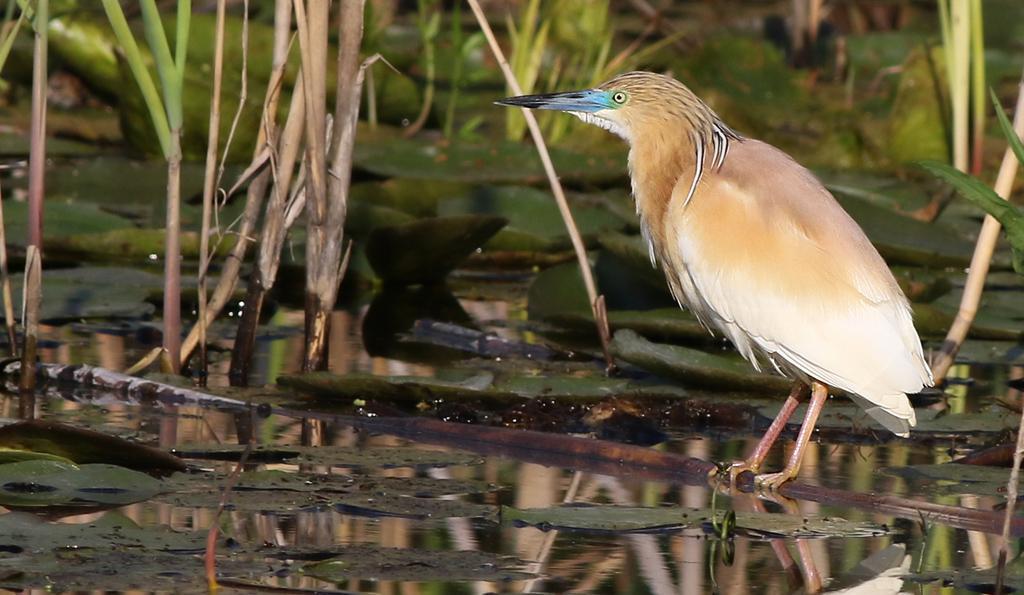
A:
<point x="566" y="561"/>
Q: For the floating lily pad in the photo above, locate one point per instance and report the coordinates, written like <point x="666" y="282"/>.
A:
<point x="110" y="553"/>
<point x="905" y="240"/>
<point x="672" y="324"/>
<point x="289" y="492"/>
<point x="885" y="191"/>
<point x="917" y="121"/>
<point x="390" y="505"/>
<point x="94" y="292"/>
<point x="991" y="352"/>
<point x="62" y="219"/>
<point x="955" y="478"/>
<point x="623" y="519"/>
<point x="512" y="163"/>
<point x="383" y="457"/>
<point x="387" y="564"/>
<point x="694" y="367"/>
<point x="82" y="445"/>
<point x="42" y="483"/>
<point x="425" y="251"/>
<point x="535" y="223"/>
<point x="408" y="389"/>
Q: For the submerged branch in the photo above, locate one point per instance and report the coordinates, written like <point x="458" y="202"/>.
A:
<point x="552" y="450"/>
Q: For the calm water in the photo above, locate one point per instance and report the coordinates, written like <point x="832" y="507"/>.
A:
<point x="565" y="561"/>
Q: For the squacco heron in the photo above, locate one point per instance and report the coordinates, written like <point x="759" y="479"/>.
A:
<point x="753" y="244"/>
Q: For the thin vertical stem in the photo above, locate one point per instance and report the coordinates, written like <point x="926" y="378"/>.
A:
<point x="5" y="288"/>
<point x="32" y="292"/>
<point x="982" y="257"/>
<point x="979" y="102"/>
<point x="172" y="255"/>
<point x="209" y="184"/>
<point x="1011" y="503"/>
<point x="596" y="301"/>
<point x="37" y="127"/>
<point x="959" y="81"/>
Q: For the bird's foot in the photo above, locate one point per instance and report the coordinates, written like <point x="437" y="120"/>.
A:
<point x="771" y="482"/>
<point x="727" y="474"/>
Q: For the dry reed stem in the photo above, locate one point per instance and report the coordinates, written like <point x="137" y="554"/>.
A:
<point x="325" y="248"/>
<point x="32" y="296"/>
<point x="231" y="268"/>
<point x="210" y="184"/>
<point x="5" y="288"/>
<point x="172" y="255"/>
<point x="1011" y="503"/>
<point x="31" y="301"/>
<point x="37" y="129"/>
<point x="982" y="257"/>
<point x="596" y="304"/>
<point x="959" y="79"/>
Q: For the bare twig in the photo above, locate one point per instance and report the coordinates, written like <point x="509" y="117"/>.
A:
<point x="210" y="184"/>
<point x="596" y="304"/>
<point x="31" y="300"/>
<point x="1011" y="503"/>
<point x="229" y="275"/>
<point x="326" y="213"/>
<point x="32" y="291"/>
<point x="982" y="257"/>
<point x="5" y="288"/>
<point x="210" y="558"/>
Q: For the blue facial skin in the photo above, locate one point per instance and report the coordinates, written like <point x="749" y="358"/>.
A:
<point x="588" y="101"/>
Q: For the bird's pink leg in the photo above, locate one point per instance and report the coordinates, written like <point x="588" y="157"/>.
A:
<point x="756" y="458"/>
<point x="772" y="481"/>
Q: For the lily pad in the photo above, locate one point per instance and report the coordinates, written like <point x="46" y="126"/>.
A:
<point x="62" y="219"/>
<point x="535" y="223"/>
<point x="670" y="324"/>
<point x="512" y="163"/>
<point x="623" y="519"/>
<point x="955" y="478"/>
<point x="43" y="483"/>
<point x="82" y="445"/>
<point x="289" y="492"/>
<point x="109" y="553"/>
<point x="388" y="564"/>
<point x="905" y="240"/>
<point x="693" y="366"/>
<point x="94" y="292"/>
<point x="917" y="121"/>
<point x="391" y="505"/>
<point x="379" y="457"/>
<point x="425" y="251"/>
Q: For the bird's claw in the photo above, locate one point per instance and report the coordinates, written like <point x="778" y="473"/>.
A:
<point x="726" y="475"/>
<point x="771" y="482"/>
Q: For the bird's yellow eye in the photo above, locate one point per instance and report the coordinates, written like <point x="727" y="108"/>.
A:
<point x="619" y="97"/>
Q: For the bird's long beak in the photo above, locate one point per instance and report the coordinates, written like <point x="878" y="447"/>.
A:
<point x="589" y="100"/>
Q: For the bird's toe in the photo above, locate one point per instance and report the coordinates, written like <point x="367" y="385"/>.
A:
<point x="728" y="474"/>
<point x="771" y="482"/>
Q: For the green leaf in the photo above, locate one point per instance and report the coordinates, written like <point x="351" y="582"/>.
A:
<point x="984" y="197"/>
<point x="1011" y="135"/>
<point x="43" y="482"/>
<point x="633" y="519"/>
